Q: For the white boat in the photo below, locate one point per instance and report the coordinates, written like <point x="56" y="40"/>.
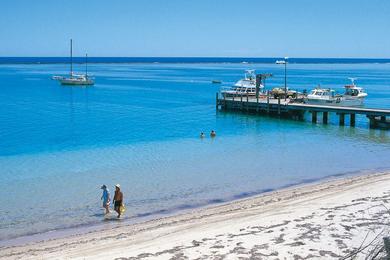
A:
<point x="243" y="87"/>
<point x="353" y="96"/>
<point x="322" y="96"/>
<point x="76" y="79"/>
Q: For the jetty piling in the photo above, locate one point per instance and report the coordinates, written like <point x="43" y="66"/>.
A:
<point x="324" y="117"/>
<point x="268" y="107"/>
<point x="342" y="119"/>
<point x="314" y="117"/>
<point x="352" y="119"/>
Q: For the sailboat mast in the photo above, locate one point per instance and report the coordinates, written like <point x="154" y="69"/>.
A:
<point x="71" y="58"/>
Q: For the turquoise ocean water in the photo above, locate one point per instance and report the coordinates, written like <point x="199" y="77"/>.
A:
<point x="139" y="126"/>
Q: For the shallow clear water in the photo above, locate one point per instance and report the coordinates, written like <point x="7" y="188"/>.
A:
<point x="139" y="126"/>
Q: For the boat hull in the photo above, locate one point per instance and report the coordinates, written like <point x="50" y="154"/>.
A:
<point x="240" y="94"/>
<point x="336" y="102"/>
<point x="73" y="82"/>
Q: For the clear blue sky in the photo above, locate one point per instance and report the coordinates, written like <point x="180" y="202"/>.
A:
<point x="244" y="28"/>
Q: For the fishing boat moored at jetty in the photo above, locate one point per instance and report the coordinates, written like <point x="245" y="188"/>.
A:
<point x="353" y="96"/>
<point x="243" y="87"/>
<point x="321" y="96"/>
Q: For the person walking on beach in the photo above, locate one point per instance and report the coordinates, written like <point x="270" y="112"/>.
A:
<point x="118" y="199"/>
<point x="106" y="198"/>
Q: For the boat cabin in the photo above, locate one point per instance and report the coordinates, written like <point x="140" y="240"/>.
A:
<point x="354" y="91"/>
<point x="322" y="93"/>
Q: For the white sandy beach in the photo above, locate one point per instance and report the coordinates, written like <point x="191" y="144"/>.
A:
<point x="325" y="220"/>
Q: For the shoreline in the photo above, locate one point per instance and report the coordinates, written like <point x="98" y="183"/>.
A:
<point x="103" y="225"/>
<point x="140" y="234"/>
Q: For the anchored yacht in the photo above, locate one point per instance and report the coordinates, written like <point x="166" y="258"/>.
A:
<point x="75" y="79"/>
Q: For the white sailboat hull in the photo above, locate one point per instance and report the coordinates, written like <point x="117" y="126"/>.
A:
<point x="75" y="81"/>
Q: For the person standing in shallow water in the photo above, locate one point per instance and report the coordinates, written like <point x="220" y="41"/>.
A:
<point x="106" y="198"/>
<point x="118" y="199"/>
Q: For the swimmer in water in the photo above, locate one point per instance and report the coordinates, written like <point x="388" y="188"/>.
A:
<point x="202" y="135"/>
<point x="213" y="134"/>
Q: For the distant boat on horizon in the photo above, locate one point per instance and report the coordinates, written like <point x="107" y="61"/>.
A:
<point x="76" y="79"/>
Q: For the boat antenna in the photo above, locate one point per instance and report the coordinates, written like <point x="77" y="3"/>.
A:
<point x="71" y="58"/>
<point x="353" y="80"/>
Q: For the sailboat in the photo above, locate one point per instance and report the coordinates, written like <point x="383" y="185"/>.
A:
<point x="76" y="79"/>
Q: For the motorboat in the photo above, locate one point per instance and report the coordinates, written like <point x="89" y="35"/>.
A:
<point x="322" y="96"/>
<point x="353" y="96"/>
<point x="243" y="87"/>
<point x="76" y="79"/>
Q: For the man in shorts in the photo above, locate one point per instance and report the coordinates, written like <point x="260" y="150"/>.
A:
<point x="118" y="199"/>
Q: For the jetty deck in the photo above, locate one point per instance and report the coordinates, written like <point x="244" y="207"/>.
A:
<point x="296" y="108"/>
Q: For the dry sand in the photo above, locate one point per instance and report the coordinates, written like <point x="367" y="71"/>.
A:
<point x="324" y="221"/>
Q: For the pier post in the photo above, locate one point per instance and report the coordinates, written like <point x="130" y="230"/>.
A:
<point x="257" y="103"/>
<point x="216" y="101"/>
<point x="314" y="117"/>
<point x="268" y="101"/>
<point x="279" y="105"/>
<point x="242" y="105"/>
<point x="247" y="103"/>
<point x="372" y="121"/>
<point x="342" y="118"/>
<point x="325" y="117"/>
<point x="224" y="102"/>
<point x="352" y="119"/>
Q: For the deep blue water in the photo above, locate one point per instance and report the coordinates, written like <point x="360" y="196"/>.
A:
<point x="139" y="126"/>
<point x="54" y="60"/>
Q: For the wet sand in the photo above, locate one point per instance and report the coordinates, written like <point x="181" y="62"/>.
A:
<point x="328" y="220"/>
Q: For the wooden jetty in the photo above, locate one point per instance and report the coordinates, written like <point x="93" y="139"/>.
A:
<point x="295" y="108"/>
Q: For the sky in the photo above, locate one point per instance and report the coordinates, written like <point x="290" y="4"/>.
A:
<point x="196" y="28"/>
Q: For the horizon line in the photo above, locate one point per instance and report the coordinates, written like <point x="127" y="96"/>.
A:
<point x="201" y="57"/>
